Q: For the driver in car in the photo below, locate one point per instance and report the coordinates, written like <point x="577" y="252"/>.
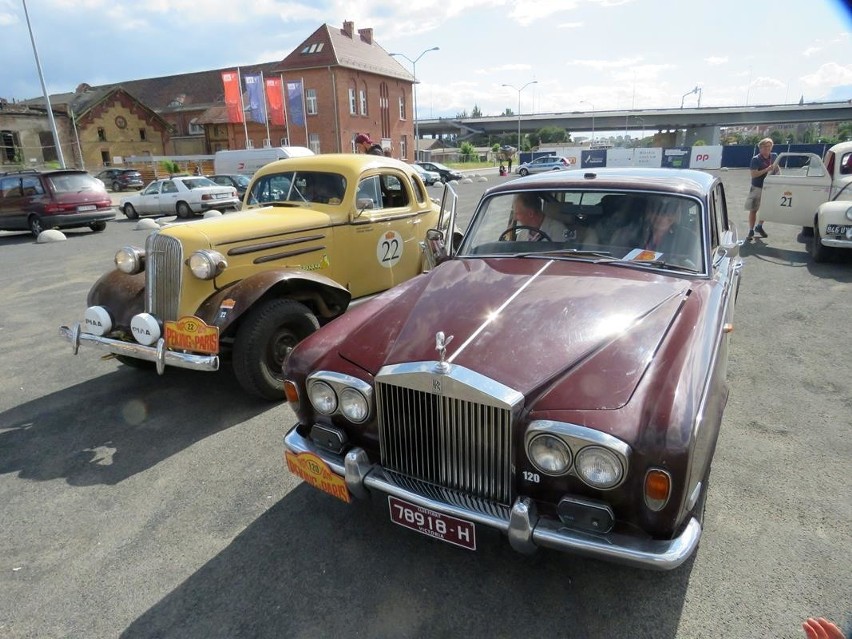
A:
<point x="533" y="224"/>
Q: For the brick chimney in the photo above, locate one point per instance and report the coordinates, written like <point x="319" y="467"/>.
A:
<point x="348" y="28"/>
<point x="366" y="35"/>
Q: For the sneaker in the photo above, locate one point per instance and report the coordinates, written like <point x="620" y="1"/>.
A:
<point x="750" y="235"/>
<point x="759" y="230"/>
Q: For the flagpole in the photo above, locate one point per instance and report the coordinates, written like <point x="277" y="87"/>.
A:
<point x="242" y="105"/>
<point x="284" y="106"/>
<point x="265" y="111"/>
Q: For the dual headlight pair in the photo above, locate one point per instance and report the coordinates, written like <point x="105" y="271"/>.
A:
<point x="331" y="393"/>
<point x="205" y="264"/>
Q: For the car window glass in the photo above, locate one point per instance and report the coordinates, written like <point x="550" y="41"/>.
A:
<point x="32" y="186"/>
<point x="369" y="188"/>
<point x="419" y="193"/>
<point x="152" y="189"/>
<point x="394" y="193"/>
<point x="169" y="187"/>
<point x="74" y="183"/>
<point x="197" y="182"/>
<point x="11" y="186"/>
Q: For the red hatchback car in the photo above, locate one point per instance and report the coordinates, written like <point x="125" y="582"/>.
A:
<point x="559" y="377"/>
<point x="63" y="199"/>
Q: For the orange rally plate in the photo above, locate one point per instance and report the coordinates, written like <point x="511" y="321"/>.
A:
<point x="192" y="334"/>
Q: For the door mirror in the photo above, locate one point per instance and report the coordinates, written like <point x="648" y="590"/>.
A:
<point x="434" y="249"/>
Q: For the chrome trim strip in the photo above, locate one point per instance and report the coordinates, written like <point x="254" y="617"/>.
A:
<point x="159" y="355"/>
<point x="281" y="256"/>
<point x="254" y="248"/>
<point x="828" y="241"/>
<point x="525" y="529"/>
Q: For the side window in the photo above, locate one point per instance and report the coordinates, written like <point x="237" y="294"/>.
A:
<point x="370" y="189"/>
<point x="169" y="187"/>
<point x="720" y="214"/>
<point x="32" y="186"/>
<point x="152" y="189"/>
<point x="10" y="187"/>
<point x="393" y="192"/>
<point x="419" y="193"/>
<point x="846" y="164"/>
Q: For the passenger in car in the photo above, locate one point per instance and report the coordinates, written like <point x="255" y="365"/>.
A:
<point x="659" y="230"/>
<point x="528" y="211"/>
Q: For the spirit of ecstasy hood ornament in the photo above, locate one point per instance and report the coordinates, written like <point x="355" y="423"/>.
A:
<point x="441" y="346"/>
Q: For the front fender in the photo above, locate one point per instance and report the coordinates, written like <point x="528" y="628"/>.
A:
<point x="326" y="298"/>
<point x="832" y="213"/>
<point x="122" y="294"/>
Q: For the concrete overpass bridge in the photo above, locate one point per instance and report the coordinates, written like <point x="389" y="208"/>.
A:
<point x="698" y="122"/>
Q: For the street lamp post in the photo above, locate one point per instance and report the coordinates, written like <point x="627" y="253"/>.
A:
<point x="593" y="119"/>
<point x="511" y="86"/>
<point x="697" y="90"/>
<point x="414" y="95"/>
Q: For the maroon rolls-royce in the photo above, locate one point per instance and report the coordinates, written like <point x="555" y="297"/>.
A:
<point x="558" y="375"/>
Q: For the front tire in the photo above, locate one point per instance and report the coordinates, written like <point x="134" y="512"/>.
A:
<point x="183" y="211"/>
<point x="97" y="227"/>
<point x="523" y="172"/>
<point x="265" y="337"/>
<point x="819" y="252"/>
<point x="130" y="212"/>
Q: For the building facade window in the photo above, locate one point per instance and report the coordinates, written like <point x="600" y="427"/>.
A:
<point x="363" y="97"/>
<point x="402" y="107"/>
<point x="311" y="101"/>
<point x="143" y="135"/>
<point x="10" y="147"/>
<point x="195" y="129"/>
<point x="314" y="143"/>
<point x="384" y="109"/>
<point x="101" y="134"/>
<point x="403" y="147"/>
<point x="352" y="106"/>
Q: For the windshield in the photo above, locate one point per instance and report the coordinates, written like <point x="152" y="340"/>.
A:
<point x="300" y="187"/>
<point x="650" y="229"/>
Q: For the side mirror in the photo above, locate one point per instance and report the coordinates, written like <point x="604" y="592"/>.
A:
<point x="434" y="249"/>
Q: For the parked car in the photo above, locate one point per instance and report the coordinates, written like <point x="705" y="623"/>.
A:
<point x="567" y="391"/>
<point x="317" y="231"/>
<point x="445" y="172"/>
<point x="815" y="194"/>
<point x="121" y="179"/>
<point x="237" y="180"/>
<point x="184" y="196"/>
<point x="429" y="177"/>
<point x="61" y="199"/>
<point x="544" y="163"/>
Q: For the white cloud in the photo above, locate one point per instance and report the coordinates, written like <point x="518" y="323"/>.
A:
<point x="715" y="61"/>
<point x="828" y="75"/>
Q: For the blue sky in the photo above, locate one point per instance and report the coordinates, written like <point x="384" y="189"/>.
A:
<point x="583" y="54"/>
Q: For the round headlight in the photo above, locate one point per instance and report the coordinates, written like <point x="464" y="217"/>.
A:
<point x="206" y="265"/>
<point x="322" y="397"/>
<point x="130" y="260"/>
<point x="849" y="213"/>
<point x="354" y="405"/>
<point x="599" y="467"/>
<point x="549" y="454"/>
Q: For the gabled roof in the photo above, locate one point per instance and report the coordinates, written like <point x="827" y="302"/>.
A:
<point x="332" y="46"/>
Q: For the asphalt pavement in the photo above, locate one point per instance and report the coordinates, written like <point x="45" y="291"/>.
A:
<point x="134" y="505"/>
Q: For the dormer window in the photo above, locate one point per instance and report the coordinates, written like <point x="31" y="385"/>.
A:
<point x="316" y="47"/>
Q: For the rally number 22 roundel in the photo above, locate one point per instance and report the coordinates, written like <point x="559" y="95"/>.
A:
<point x="389" y="249"/>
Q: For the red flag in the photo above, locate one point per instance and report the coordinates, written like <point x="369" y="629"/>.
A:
<point x="275" y="99"/>
<point x="233" y="96"/>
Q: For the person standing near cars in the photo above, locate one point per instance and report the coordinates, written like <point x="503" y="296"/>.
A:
<point x="366" y="145"/>
<point x="761" y="165"/>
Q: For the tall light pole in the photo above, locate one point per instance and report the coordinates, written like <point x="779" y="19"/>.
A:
<point x="511" y="86"/>
<point x="593" y="119"/>
<point x="414" y="95"/>
<point x="50" y="119"/>
<point x="697" y="90"/>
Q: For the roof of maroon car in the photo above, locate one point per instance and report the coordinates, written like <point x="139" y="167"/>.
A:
<point x="686" y="181"/>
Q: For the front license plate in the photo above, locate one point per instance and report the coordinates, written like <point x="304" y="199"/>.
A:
<point x="314" y="471"/>
<point x="192" y="334"/>
<point x="87" y="207"/>
<point x="434" y="524"/>
<point x="837" y="229"/>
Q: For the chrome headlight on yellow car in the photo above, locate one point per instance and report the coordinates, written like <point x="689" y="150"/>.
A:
<point x="336" y="393"/>
<point x="130" y="260"/>
<point x="206" y="264"/>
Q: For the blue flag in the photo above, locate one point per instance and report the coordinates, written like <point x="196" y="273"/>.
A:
<point x="295" y="107"/>
<point x="257" y="98"/>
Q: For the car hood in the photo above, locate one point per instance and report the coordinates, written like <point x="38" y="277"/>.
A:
<point x="529" y="323"/>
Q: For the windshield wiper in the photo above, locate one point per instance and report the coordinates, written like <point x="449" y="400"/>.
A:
<point x="567" y="253"/>
<point x="662" y="264"/>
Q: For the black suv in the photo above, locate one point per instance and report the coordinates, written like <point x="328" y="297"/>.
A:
<point x="121" y="179"/>
<point x="64" y="198"/>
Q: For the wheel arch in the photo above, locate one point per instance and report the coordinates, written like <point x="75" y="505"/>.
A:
<point x="325" y="298"/>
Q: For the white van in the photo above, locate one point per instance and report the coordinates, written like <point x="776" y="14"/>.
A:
<point x="248" y="161"/>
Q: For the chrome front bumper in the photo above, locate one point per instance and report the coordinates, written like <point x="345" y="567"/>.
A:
<point x="158" y="354"/>
<point x="522" y="525"/>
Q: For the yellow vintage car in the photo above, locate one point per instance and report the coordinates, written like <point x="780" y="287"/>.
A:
<point x="315" y="233"/>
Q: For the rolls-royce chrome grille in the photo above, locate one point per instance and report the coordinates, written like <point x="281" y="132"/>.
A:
<point x="163" y="268"/>
<point x="447" y="429"/>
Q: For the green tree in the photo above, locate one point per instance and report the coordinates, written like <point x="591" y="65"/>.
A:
<point x="170" y="166"/>
<point x="508" y="113"/>
<point x="553" y="134"/>
<point x="468" y="153"/>
<point x="476" y="113"/>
